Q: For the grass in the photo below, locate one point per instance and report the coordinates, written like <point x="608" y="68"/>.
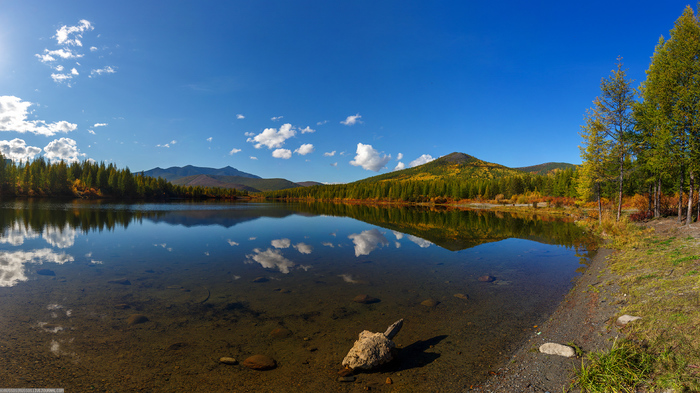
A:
<point x="659" y="281"/>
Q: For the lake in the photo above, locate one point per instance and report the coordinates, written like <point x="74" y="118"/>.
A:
<point x="148" y="297"/>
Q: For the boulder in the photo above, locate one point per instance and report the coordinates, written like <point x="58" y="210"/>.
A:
<point x="625" y="319"/>
<point x="372" y="349"/>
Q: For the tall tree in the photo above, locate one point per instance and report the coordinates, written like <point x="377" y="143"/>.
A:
<point x="614" y="107"/>
<point x="594" y="154"/>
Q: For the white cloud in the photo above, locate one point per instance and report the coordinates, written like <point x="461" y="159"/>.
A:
<point x="307" y="130"/>
<point x="271" y="259"/>
<point x="105" y="70"/>
<point x="282" y="153"/>
<point x="74" y="72"/>
<point x="51" y="55"/>
<point x="320" y="123"/>
<point x="64" y="149"/>
<point x="100" y="125"/>
<point x="399" y="157"/>
<point x="231" y="243"/>
<point x="304" y="248"/>
<point x="71" y="35"/>
<point x="329" y="154"/>
<point x="272" y="138"/>
<point x="281" y="243"/>
<point x="368" y="241"/>
<point x="249" y="134"/>
<point x="240" y="117"/>
<point x="168" y="144"/>
<point x="369" y="159"/>
<point x="92" y="132"/>
<point x="93" y="48"/>
<point x="13" y="117"/>
<point x="253" y="158"/>
<point x="59" y="68"/>
<point x="60" y="78"/>
<point x="352" y="120"/>
<point x="400" y="166"/>
<point x="276" y="118"/>
<point x="210" y="139"/>
<point x="233" y="151"/>
<point x="17" y="150"/>
<point x="305" y="149"/>
<point x="424" y="159"/>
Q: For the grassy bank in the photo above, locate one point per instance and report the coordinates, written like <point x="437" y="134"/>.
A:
<point x="658" y="270"/>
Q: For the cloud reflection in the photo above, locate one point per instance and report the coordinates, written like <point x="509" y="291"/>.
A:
<point x="281" y="243"/>
<point x="12" y="263"/>
<point x="60" y="238"/>
<point x="271" y="259"/>
<point x="422" y="243"/>
<point x="368" y="241"/>
<point x="304" y="248"/>
<point x="16" y="234"/>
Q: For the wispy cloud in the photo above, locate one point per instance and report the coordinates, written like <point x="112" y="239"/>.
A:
<point x="100" y="71"/>
<point x="352" y="120"/>
<point x="307" y="130"/>
<point x="369" y="158"/>
<point x="329" y="154"/>
<point x="100" y="125"/>
<point x="71" y="35"/>
<point x="240" y="117"/>
<point x="320" y="123"/>
<point x="13" y="117"/>
<point x="234" y="151"/>
<point x="276" y="118"/>
<point x="167" y="144"/>
<point x="210" y="139"/>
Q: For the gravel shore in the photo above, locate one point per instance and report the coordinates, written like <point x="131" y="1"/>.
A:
<point x="585" y="318"/>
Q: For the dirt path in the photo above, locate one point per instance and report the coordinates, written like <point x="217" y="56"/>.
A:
<point x="584" y="318"/>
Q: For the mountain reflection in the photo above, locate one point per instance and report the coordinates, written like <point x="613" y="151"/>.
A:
<point x="368" y="241"/>
<point x="12" y="264"/>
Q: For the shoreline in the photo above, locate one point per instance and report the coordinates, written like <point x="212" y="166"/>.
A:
<point x="585" y="317"/>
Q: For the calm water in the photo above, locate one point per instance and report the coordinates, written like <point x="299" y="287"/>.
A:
<point x="216" y="279"/>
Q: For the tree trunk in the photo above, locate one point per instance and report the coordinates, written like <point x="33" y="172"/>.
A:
<point x="681" y="180"/>
<point x="600" y="207"/>
<point x="619" y="198"/>
<point x="649" y="196"/>
<point x="689" y="217"/>
<point x="657" y="196"/>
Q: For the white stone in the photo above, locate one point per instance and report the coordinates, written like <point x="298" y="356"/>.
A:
<point x="228" y="360"/>
<point x="369" y="351"/>
<point x="557" y="349"/>
<point x="625" y="319"/>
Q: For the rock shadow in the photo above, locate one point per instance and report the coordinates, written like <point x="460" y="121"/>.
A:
<point x="415" y="355"/>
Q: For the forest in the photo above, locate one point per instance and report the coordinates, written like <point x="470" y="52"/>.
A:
<point x="88" y="179"/>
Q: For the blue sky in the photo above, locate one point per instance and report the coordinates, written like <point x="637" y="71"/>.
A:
<point x="331" y="91"/>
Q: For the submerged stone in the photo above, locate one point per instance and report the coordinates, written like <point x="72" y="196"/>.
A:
<point x="135" y="319"/>
<point x="430" y="302"/>
<point x="365" y="299"/>
<point x="260" y="362"/>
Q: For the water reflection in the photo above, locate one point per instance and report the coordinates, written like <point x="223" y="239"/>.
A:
<point x="12" y="263"/>
<point x="368" y="241"/>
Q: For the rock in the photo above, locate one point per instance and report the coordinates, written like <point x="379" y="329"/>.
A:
<point x="430" y="302"/>
<point x="260" y="362"/>
<point x="389" y="381"/>
<point x="345" y="372"/>
<point x="372" y="349"/>
<point x="487" y="278"/>
<point x="365" y="299"/>
<point x="394" y="329"/>
<point x="557" y="349"/>
<point x="122" y="281"/>
<point x="45" y="272"/>
<point x="136" y="319"/>
<point x="350" y="378"/>
<point x="228" y="360"/>
<point x="461" y="296"/>
<point x="280" y="332"/>
<point x="625" y="319"/>
<point x="261" y="279"/>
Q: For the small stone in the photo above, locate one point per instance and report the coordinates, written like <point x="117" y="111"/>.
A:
<point x="461" y="296"/>
<point x="365" y="299"/>
<point x="350" y="378"/>
<point x="136" y="319"/>
<point x="557" y="349"/>
<point x="228" y="360"/>
<point x="122" y="281"/>
<point x="487" y="278"/>
<point x="261" y="279"/>
<point x="280" y="332"/>
<point x="430" y="302"/>
<point x="45" y="272"/>
<point x="260" y="362"/>
<point x="177" y="346"/>
<point x="389" y="381"/>
<point x="345" y="372"/>
<point x="625" y="319"/>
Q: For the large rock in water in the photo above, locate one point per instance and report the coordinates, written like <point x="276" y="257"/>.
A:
<point x="372" y="349"/>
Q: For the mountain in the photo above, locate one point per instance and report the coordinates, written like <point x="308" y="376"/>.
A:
<point x="176" y="172"/>
<point x="543" y="169"/>
<point x="241" y="183"/>
<point x="454" y="165"/>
